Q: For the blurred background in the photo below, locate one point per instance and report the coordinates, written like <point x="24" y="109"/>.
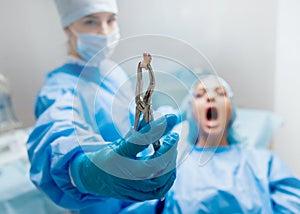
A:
<point x="253" y="44"/>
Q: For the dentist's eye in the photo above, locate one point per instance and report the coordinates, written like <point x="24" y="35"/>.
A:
<point x="111" y="20"/>
<point x="90" y="22"/>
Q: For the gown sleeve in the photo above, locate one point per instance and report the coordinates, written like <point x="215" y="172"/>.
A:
<point x="62" y="131"/>
<point x="284" y="187"/>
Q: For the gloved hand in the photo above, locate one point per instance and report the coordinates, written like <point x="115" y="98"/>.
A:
<point x="116" y="171"/>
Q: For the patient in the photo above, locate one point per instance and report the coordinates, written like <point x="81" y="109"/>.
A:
<point x="219" y="175"/>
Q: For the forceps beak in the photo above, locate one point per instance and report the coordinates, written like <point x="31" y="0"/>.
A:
<point x="144" y="103"/>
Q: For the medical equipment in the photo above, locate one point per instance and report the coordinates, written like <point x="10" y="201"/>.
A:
<point x="17" y="193"/>
<point x="143" y="102"/>
<point x="12" y="146"/>
<point x="8" y="119"/>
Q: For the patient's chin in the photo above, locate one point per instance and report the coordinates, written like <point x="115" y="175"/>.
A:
<point x="213" y="130"/>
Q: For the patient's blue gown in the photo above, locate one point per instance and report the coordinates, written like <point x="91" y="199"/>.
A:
<point x="233" y="180"/>
<point x="230" y="179"/>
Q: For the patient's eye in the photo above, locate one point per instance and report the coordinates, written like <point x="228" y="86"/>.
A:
<point x="221" y="91"/>
<point x="200" y="93"/>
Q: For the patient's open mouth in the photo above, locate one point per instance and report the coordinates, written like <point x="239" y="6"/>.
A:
<point x="212" y="113"/>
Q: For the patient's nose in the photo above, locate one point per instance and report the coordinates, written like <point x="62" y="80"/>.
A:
<point x="210" y="98"/>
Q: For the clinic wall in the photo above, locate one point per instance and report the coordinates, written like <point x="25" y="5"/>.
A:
<point x="287" y="102"/>
<point x="31" y="44"/>
<point x="237" y="36"/>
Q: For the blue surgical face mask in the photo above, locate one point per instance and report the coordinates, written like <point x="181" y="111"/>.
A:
<point x="96" y="46"/>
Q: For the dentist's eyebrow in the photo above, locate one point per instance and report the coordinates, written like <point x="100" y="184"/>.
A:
<point x="91" y="16"/>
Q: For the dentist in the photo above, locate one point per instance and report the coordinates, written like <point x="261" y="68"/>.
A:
<point x="80" y="154"/>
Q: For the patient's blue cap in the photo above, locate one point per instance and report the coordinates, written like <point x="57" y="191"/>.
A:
<point x="72" y="10"/>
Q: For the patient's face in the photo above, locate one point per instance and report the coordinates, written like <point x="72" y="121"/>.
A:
<point x="211" y="107"/>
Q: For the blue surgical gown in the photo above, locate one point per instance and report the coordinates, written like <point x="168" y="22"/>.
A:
<point x="77" y="109"/>
<point x="233" y="180"/>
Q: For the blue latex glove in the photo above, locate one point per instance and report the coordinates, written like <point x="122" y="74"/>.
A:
<point x="115" y="171"/>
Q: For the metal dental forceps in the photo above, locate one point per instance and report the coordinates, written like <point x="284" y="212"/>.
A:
<point x="143" y="103"/>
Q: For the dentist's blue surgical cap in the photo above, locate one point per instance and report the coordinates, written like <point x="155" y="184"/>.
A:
<point x="72" y="10"/>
